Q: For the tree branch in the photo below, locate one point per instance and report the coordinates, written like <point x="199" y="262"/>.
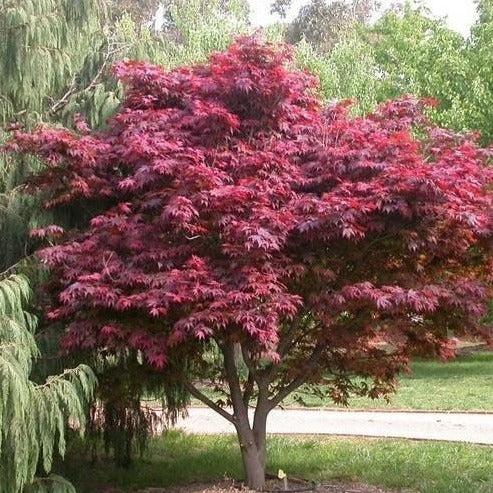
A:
<point x="310" y="365"/>
<point x="287" y="343"/>
<point x="64" y="99"/>
<point x="208" y="402"/>
<point x="111" y="50"/>
<point x="13" y="267"/>
<point x="286" y="339"/>
<point x="249" y="363"/>
<point x="232" y="374"/>
<point x="248" y="392"/>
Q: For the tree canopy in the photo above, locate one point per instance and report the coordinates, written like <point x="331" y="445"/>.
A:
<point x="323" y="23"/>
<point x="234" y="211"/>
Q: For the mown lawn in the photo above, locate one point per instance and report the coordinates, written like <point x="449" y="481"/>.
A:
<point x="463" y="384"/>
<point x="424" y="467"/>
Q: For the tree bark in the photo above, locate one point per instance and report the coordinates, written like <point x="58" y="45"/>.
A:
<point x="260" y="431"/>
<point x="253" y="458"/>
<point x="251" y="439"/>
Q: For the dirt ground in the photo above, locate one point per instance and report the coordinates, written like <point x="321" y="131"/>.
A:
<point x="228" y="487"/>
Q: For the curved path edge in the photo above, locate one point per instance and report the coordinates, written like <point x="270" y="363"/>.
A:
<point x="447" y="426"/>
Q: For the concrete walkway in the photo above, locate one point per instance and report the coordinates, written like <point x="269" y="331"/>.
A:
<point x="457" y="427"/>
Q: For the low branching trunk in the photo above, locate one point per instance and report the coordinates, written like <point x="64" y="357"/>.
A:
<point x="252" y="438"/>
<point x="252" y="446"/>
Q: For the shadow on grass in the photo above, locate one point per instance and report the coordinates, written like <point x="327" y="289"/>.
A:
<point x="480" y="364"/>
<point x="173" y="459"/>
<point x="177" y="459"/>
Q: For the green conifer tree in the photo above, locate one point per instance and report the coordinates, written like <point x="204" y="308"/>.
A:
<point x="33" y="417"/>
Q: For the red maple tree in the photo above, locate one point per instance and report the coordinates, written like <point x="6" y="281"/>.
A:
<point x="266" y="240"/>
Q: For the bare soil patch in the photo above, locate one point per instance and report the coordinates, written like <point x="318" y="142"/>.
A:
<point x="230" y="487"/>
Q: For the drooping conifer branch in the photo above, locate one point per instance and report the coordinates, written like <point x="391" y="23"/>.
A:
<point x="33" y="417"/>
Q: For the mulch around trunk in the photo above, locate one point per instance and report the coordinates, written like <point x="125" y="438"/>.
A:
<point x="229" y="487"/>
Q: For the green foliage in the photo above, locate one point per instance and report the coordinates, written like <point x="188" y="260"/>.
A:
<point x="347" y="72"/>
<point x="33" y="418"/>
<point x="479" y="91"/>
<point x="407" y="51"/>
<point x="43" y="44"/>
<point x="195" y="28"/>
<point x="419" y="55"/>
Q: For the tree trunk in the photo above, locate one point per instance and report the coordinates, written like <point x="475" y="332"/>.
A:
<point x="260" y="426"/>
<point x="253" y="457"/>
<point x="251" y="439"/>
<point x="253" y="443"/>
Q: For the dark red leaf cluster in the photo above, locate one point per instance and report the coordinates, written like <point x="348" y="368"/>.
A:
<point x="231" y="204"/>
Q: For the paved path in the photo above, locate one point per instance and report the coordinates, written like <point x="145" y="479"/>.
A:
<point x="459" y="427"/>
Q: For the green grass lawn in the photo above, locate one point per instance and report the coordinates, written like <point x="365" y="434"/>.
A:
<point x="424" y="467"/>
<point x="463" y="384"/>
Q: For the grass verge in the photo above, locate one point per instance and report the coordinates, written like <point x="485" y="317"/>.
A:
<point x="176" y="458"/>
<point x="463" y="384"/>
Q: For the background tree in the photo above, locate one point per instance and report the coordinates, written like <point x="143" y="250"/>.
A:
<point x="193" y="29"/>
<point x="322" y="23"/>
<point x="33" y="416"/>
<point x="407" y="51"/>
<point x="143" y="12"/>
<point x="348" y="71"/>
<point x="54" y="58"/>
<point x="417" y="54"/>
<point x="478" y="92"/>
<point x="237" y="213"/>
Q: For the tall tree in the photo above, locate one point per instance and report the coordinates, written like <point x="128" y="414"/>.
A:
<point x="478" y="91"/>
<point x="33" y="416"/>
<point x="417" y="54"/>
<point x="43" y="45"/>
<point x="236" y="212"/>
<point x="323" y="22"/>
